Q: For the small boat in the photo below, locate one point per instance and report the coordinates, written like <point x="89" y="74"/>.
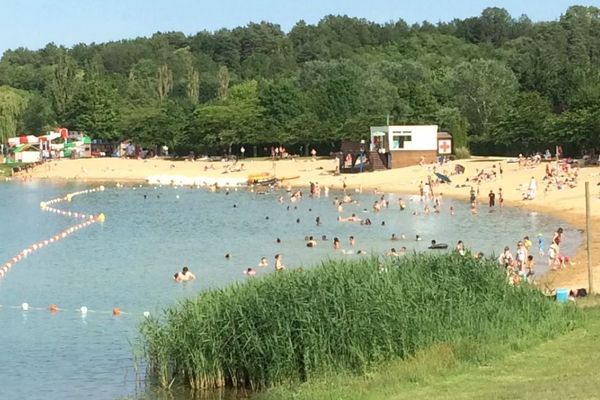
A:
<point x="261" y="179"/>
<point x="265" y="181"/>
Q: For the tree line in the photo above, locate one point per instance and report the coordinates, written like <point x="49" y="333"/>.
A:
<point x="499" y="84"/>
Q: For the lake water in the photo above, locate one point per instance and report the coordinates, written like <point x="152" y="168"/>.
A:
<point x="128" y="262"/>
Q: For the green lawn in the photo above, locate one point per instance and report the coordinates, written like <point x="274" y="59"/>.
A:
<point x="564" y="367"/>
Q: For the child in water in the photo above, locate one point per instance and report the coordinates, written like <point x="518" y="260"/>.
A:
<point x="263" y="262"/>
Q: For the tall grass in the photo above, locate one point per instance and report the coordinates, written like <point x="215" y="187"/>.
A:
<point x="342" y="316"/>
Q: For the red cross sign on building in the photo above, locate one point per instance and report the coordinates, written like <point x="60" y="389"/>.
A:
<point x="444" y="147"/>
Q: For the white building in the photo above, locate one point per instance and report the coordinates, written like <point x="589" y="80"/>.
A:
<point x="403" y="145"/>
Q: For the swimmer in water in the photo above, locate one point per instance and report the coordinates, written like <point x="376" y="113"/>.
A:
<point x="336" y="243"/>
<point x="278" y="263"/>
<point x="393" y="253"/>
<point x="460" y="248"/>
<point x="418" y="238"/>
<point x="402" y="204"/>
<point x="394" y="237"/>
<point x="311" y="242"/>
<point x="184" y="275"/>
<point x="250" y="271"/>
<point x="263" y="262"/>
<point x="352" y="241"/>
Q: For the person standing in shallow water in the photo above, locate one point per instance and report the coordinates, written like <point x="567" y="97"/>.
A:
<point x="492" y="197"/>
<point x="278" y="263"/>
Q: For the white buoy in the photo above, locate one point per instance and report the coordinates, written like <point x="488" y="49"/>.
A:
<point x="24" y="306"/>
<point x="146" y="314"/>
<point x="83" y="310"/>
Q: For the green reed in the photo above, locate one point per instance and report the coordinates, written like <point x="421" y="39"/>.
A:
<point x="341" y="316"/>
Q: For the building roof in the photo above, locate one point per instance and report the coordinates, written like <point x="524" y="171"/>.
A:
<point x="444" y="135"/>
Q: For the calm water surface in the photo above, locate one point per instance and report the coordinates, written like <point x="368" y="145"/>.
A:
<point x="129" y="260"/>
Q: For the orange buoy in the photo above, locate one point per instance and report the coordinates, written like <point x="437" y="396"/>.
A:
<point x="116" y="311"/>
<point x="53" y="308"/>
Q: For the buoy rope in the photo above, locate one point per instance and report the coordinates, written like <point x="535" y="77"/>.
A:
<point x="83" y="310"/>
<point x="87" y="220"/>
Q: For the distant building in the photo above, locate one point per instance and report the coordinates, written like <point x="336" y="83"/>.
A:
<point x="404" y="145"/>
<point x="395" y="146"/>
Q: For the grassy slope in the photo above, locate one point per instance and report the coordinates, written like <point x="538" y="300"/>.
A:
<point x="565" y="367"/>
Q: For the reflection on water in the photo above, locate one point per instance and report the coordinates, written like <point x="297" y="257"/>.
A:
<point x="149" y="234"/>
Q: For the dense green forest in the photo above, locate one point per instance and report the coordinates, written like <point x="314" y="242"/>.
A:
<point x="499" y="84"/>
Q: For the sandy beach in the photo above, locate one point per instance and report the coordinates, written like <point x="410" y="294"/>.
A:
<point x="568" y="203"/>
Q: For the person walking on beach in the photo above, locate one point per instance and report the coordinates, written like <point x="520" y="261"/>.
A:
<point x="532" y="190"/>
<point x="500" y="197"/>
<point x="492" y="197"/>
<point x="243" y="151"/>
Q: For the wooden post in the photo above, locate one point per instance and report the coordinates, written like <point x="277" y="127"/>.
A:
<point x="588" y="231"/>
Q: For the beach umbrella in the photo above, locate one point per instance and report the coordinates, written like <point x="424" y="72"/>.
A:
<point x="443" y="177"/>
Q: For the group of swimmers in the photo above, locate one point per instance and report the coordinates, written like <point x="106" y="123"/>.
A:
<point x="520" y="266"/>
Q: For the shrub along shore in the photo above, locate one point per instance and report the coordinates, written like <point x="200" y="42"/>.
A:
<point x="343" y="316"/>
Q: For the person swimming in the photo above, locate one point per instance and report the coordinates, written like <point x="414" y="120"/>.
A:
<point x="263" y="262"/>
<point x="250" y="271"/>
<point x="184" y="275"/>
<point x="336" y="243"/>
<point x="311" y="242"/>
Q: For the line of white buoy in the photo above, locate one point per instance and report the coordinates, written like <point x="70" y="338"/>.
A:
<point x="83" y="310"/>
<point x="45" y="206"/>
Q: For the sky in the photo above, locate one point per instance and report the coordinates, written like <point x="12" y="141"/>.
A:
<point x="34" y="23"/>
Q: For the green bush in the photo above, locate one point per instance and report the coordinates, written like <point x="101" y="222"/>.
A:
<point x="342" y="316"/>
<point x="462" y="153"/>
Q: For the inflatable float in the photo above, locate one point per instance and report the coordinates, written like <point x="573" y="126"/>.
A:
<point x="437" y="246"/>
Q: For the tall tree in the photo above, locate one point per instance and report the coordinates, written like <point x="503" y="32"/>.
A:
<point x="12" y="104"/>
<point x="94" y="110"/>
<point x="483" y="90"/>
<point x="193" y="85"/>
<point x="223" y="78"/>
<point x="164" y="81"/>
<point x="63" y="85"/>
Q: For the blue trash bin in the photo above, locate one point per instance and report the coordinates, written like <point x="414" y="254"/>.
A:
<point x="562" y="295"/>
